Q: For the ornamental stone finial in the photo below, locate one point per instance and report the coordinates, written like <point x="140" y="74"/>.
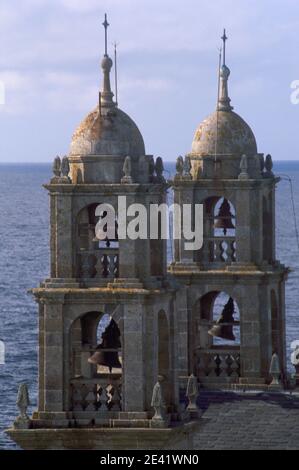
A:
<point x="61" y="170"/>
<point x="187" y="168"/>
<point x="65" y="167"/>
<point x="268" y="167"/>
<point x="295" y="361"/>
<point x="179" y="166"/>
<point x="57" y="166"/>
<point x="22" y="421"/>
<point x="192" y="395"/>
<point x="275" y="372"/>
<point x="158" y="403"/>
<point x="127" y="170"/>
<point x="223" y="98"/>
<point x="159" y="168"/>
<point x="244" y="168"/>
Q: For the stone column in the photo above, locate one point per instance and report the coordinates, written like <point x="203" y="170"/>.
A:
<point x="133" y="358"/>
<point x="64" y="231"/>
<point x="250" y="327"/>
<point x="243" y="235"/>
<point x="53" y="355"/>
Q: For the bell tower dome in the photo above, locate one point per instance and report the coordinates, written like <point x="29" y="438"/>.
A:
<point x="235" y="284"/>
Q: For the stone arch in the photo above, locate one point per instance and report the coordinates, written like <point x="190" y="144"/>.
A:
<point x="94" y="258"/>
<point x="219" y="243"/>
<point x="210" y="354"/>
<point x="84" y="338"/>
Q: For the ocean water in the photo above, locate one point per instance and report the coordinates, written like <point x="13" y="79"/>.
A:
<point x="24" y="262"/>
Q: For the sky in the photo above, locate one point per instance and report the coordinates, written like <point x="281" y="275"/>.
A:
<point x="50" y="53"/>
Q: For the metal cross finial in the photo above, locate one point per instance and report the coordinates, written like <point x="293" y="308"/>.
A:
<point x="224" y="39"/>
<point x="106" y="24"/>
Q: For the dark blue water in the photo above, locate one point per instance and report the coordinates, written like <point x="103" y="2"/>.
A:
<point x="24" y="261"/>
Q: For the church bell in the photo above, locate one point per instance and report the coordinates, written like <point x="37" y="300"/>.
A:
<point x="106" y="352"/>
<point x="224" y="217"/>
<point x="224" y="325"/>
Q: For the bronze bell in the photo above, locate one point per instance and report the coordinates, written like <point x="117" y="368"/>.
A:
<point x="110" y="340"/>
<point x="224" y="217"/>
<point x="224" y="325"/>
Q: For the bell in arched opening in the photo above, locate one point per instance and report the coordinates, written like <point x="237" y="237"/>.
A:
<point x="107" y="352"/>
<point x="224" y="217"/>
<point x="224" y="325"/>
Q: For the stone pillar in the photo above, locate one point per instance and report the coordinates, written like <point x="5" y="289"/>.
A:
<point x="133" y="358"/>
<point x="186" y="197"/>
<point x="250" y="327"/>
<point x="243" y="229"/>
<point x="41" y="358"/>
<point x="64" y="241"/>
<point x="53" y="355"/>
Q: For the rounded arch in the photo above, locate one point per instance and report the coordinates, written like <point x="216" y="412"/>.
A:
<point x="219" y="230"/>
<point x="95" y="258"/>
<point x="207" y="312"/>
<point x="86" y="337"/>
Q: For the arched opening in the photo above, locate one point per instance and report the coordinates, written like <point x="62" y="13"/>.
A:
<point x="96" y="363"/>
<point x="215" y="336"/>
<point x="2" y="353"/>
<point x="219" y="231"/>
<point x="96" y="259"/>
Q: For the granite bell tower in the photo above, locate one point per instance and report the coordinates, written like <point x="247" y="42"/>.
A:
<point x="235" y="293"/>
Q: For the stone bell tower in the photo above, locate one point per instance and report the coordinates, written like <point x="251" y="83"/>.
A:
<point x="235" y="285"/>
<point x="90" y="378"/>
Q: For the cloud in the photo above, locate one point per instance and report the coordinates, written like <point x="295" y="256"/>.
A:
<point x="51" y="49"/>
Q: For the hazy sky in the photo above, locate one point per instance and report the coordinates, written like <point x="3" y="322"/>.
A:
<point x="50" y="53"/>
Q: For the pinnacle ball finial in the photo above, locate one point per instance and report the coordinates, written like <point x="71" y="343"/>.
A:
<point x="224" y="39"/>
<point x="106" y="24"/>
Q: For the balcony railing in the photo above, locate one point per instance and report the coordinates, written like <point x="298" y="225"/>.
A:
<point x="102" y="263"/>
<point x="100" y="394"/>
<point x="218" y="363"/>
<point x="222" y="249"/>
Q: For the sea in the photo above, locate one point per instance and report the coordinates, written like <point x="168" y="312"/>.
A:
<point x="24" y="262"/>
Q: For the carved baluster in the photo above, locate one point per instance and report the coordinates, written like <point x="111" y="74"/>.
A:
<point x="91" y="398"/>
<point x="229" y="361"/>
<point x="100" y="398"/>
<point x="212" y="366"/>
<point x="223" y="369"/>
<point x="217" y="361"/>
<point x="77" y="398"/>
<point x="85" y="266"/>
<point x="234" y="368"/>
<point x="105" y="265"/>
<point x="116" y="266"/>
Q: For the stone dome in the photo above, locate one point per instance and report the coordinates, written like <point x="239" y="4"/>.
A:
<point x="112" y="132"/>
<point x="232" y="133"/>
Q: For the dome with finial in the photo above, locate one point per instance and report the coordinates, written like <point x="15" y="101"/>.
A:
<point x="107" y="130"/>
<point x="224" y="132"/>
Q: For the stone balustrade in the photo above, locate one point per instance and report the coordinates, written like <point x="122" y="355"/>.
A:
<point x="101" y="394"/>
<point x="102" y="263"/>
<point x="218" y="363"/>
<point x="222" y="249"/>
